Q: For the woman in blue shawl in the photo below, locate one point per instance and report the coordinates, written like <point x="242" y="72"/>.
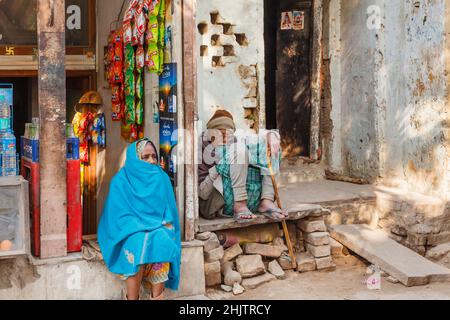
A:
<point x="139" y="231"/>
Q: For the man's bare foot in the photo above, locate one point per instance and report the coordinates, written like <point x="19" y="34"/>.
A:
<point x="270" y="207"/>
<point x="242" y="212"/>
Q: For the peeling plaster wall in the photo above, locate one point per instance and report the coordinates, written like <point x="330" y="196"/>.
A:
<point x="224" y="86"/>
<point x="389" y="90"/>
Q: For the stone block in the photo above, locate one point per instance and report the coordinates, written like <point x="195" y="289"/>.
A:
<point x="318" y="238"/>
<point x="213" y="275"/>
<point x="438" y="252"/>
<point x="276" y="270"/>
<point x="325" y="263"/>
<point x="203" y="236"/>
<point x="285" y="262"/>
<point x="263" y="250"/>
<point x="232" y="252"/>
<point x="250" y="265"/>
<point x="212" y="243"/>
<point x="214" y="255"/>
<point x="319" y="251"/>
<point x="305" y="262"/>
<point x="312" y="226"/>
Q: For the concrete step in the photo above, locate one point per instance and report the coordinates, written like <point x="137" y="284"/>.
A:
<point x="296" y="172"/>
<point x="408" y="267"/>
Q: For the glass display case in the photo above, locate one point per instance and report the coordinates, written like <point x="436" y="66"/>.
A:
<point x="14" y="217"/>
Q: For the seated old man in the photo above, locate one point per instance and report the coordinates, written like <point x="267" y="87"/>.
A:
<point x="234" y="177"/>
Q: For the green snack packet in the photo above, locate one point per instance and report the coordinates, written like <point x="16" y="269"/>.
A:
<point x="161" y="33"/>
<point x="130" y="86"/>
<point x="156" y="8"/>
<point x="152" y="58"/>
<point x="130" y="110"/>
<point x="129" y="58"/>
<point x="162" y="9"/>
<point x="139" y="112"/>
<point x="139" y="86"/>
<point x="152" y="30"/>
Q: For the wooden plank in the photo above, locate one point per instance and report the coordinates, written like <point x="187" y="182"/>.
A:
<point x="407" y="266"/>
<point x="300" y="212"/>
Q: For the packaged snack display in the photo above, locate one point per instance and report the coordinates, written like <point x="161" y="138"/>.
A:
<point x="142" y="45"/>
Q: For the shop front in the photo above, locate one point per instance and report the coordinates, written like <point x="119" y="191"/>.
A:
<point x="136" y="85"/>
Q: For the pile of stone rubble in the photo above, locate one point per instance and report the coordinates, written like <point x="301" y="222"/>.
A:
<point x="246" y="266"/>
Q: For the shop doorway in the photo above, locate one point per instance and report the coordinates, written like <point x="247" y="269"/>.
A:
<point x="25" y="106"/>
<point x="288" y="43"/>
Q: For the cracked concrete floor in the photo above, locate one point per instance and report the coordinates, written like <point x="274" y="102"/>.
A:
<point x="345" y="283"/>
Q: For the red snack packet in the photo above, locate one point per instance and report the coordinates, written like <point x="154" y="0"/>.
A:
<point x="127" y="32"/>
<point x="115" y="94"/>
<point x="118" y="72"/>
<point x="140" y="58"/>
<point x="131" y="11"/>
<point x="134" y="132"/>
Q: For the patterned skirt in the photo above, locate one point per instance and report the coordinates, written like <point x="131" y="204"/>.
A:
<point x="154" y="273"/>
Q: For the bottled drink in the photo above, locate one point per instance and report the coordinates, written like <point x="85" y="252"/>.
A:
<point x="5" y="115"/>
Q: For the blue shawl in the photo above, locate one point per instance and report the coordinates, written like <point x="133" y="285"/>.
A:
<point x="132" y="229"/>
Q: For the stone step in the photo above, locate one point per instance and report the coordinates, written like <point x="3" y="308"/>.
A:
<point x="300" y="172"/>
<point x="408" y="267"/>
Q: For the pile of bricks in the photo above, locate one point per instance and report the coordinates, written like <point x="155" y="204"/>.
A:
<point x="243" y="267"/>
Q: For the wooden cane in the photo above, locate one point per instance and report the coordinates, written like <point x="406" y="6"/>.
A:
<point x="283" y="223"/>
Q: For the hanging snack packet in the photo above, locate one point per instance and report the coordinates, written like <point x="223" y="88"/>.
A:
<point x="139" y="86"/>
<point x="161" y="33"/>
<point x="139" y="112"/>
<point x="129" y="58"/>
<point x="115" y="94"/>
<point x="140" y="59"/>
<point x="130" y="110"/>
<point x="136" y="36"/>
<point x="125" y="130"/>
<point x="117" y="72"/>
<point x="118" y="46"/>
<point x="127" y="32"/>
<point x="140" y="20"/>
<point x="133" y="133"/>
<point x="161" y="60"/>
<point x="152" y="58"/>
<point x="154" y="10"/>
<point x="152" y="30"/>
<point x="131" y="11"/>
<point x="130" y="86"/>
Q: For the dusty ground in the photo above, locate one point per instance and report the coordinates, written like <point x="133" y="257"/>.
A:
<point x="345" y="283"/>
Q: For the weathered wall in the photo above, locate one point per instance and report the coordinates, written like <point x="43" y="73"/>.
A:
<point x="230" y="67"/>
<point x="388" y="87"/>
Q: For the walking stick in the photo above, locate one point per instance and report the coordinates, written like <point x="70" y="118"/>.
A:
<point x="277" y="197"/>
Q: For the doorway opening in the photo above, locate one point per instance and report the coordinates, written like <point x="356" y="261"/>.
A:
<point x="25" y="108"/>
<point x="288" y="51"/>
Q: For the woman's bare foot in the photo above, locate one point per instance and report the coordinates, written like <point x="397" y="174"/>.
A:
<point x="270" y="207"/>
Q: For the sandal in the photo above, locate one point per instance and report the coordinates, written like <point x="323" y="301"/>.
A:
<point x="242" y="217"/>
<point x="271" y="214"/>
